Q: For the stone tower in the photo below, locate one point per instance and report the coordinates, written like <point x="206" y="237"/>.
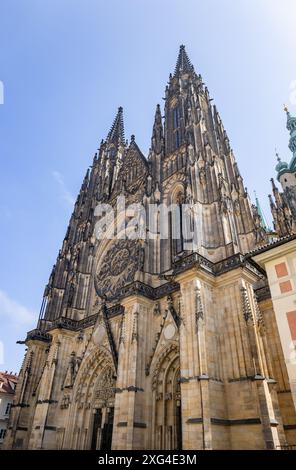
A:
<point x="152" y="340"/>
<point x="283" y="204"/>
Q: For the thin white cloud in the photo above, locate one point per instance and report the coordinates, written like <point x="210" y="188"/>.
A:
<point x="65" y="193"/>
<point x="14" y="312"/>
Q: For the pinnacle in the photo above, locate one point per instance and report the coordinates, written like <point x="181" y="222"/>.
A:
<point x="116" y="133"/>
<point x="157" y="117"/>
<point x="183" y="64"/>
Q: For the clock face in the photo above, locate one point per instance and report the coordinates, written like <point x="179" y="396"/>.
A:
<point x="117" y="268"/>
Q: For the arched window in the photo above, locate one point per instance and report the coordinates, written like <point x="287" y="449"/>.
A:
<point x="177" y="139"/>
<point x="176" y="225"/>
<point x="176" y="114"/>
<point x="167" y="419"/>
<point x="176" y="127"/>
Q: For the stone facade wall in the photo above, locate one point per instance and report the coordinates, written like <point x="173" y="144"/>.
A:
<point x="158" y="342"/>
<point x="231" y="393"/>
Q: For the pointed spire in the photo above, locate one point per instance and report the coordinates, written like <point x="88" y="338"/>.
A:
<point x="260" y="212"/>
<point x="157" y="133"/>
<point x="116" y="134"/>
<point x="271" y="202"/>
<point x="183" y="64"/>
<point x="274" y="188"/>
<point x="276" y="193"/>
<point x="157" y="119"/>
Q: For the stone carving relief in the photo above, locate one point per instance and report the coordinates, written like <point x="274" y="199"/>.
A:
<point x="156" y="310"/>
<point x="105" y="389"/>
<point x="65" y="402"/>
<point x="72" y="370"/>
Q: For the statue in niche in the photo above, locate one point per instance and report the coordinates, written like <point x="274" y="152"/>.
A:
<point x="71" y="291"/>
<point x="190" y="151"/>
<point x="156" y="310"/>
<point x="141" y="254"/>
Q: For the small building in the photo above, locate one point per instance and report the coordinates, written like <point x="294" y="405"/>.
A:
<point x="8" y="383"/>
<point x="278" y="259"/>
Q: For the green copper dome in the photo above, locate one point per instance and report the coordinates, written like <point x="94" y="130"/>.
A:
<point x="281" y="166"/>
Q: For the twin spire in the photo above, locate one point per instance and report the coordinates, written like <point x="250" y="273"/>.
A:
<point x="183" y="64"/>
<point x="116" y="133"/>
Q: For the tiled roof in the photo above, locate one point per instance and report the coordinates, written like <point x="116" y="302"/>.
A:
<point x="271" y="245"/>
<point x="8" y="382"/>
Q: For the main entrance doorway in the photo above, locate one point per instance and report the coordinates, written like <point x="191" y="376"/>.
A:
<point x="103" y="412"/>
<point x="167" y="418"/>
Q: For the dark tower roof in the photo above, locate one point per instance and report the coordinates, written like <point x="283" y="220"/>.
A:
<point x="183" y="64"/>
<point x="116" y="133"/>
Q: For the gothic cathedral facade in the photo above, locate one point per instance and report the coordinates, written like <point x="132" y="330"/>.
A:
<point x="155" y="343"/>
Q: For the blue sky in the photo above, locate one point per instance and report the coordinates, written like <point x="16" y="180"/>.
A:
<point x="66" y="65"/>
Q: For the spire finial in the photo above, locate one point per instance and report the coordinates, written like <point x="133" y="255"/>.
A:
<point x="286" y="108"/>
<point x="157" y="133"/>
<point x="157" y="117"/>
<point x="116" y="134"/>
<point x="261" y="213"/>
<point x="183" y="64"/>
<point x="273" y="184"/>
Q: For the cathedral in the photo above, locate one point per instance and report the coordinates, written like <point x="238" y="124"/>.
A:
<point x="154" y="341"/>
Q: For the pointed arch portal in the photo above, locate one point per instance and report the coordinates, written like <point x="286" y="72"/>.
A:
<point x="103" y="411"/>
<point x="167" y="422"/>
<point x="93" y="407"/>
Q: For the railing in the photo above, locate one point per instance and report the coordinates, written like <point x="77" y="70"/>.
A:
<point x="286" y="447"/>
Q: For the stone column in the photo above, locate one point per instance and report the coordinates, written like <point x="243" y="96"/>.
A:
<point x="130" y="414"/>
<point x="196" y="422"/>
<point x="44" y="397"/>
<point x="267" y="413"/>
<point x="24" y="402"/>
